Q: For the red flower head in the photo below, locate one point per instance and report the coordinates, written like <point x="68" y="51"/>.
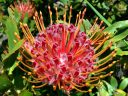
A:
<point x="63" y="56"/>
<point x="24" y="8"/>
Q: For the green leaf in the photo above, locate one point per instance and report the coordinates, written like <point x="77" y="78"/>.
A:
<point x="15" y="15"/>
<point x="114" y="27"/>
<point x="10" y="58"/>
<point x="113" y="82"/>
<point x="10" y="12"/>
<point x="119" y="93"/>
<point x="5" y="83"/>
<point x="16" y="47"/>
<point x="122" y="43"/>
<point x="11" y="27"/>
<point x="85" y="26"/>
<point x="79" y="94"/>
<point x="102" y="92"/>
<point x="18" y="82"/>
<point x="120" y="52"/>
<point x="25" y="20"/>
<point x="101" y="17"/>
<point x="1" y="1"/>
<point x="110" y="89"/>
<point x="64" y="2"/>
<point x="92" y="94"/>
<point x="119" y="37"/>
<point x="25" y="93"/>
<point x="123" y="84"/>
<point x="32" y="24"/>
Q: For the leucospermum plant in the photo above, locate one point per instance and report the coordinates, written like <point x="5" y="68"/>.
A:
<point x="63" y="56"/>
<point x="23" y="8"/>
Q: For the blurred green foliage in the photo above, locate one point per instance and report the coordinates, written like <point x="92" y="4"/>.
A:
<point x="114" y="88"/>
<point x="113" y="10"/>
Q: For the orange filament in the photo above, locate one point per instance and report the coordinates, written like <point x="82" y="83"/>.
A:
<point x="80" y="86"/>
<point x="78" y="28"/>
<point x="79" y="52"/>
<point x="27" y="33"/>
<point x="99" y="36"/>
<point x="50" y="13"/>
<point x="54" y="88"/>
<point x="17" y="36"/>
<point x="22" y="68"/>
<point x="102" y="51"/>
<point x="93" y="34"/>
<point x="76" y="19"/>
<point x="38" y="79"/>
<point x="102" y="69"/>
<point x="83" y="13"/>
<point x="32" y="55"/>
<point x="90" y="81"/>
<point x="26" y="65"/>
<point x="24" y="55"/>
<point x="12" y="7"/>
<point x="65" y="13"/>
<point x="101" y="43"/>
<point x="59" y="85"/>
<point x="70" y="15"/>
<point x="91" y="29"/>
<point x="56" y="14"/>
<point x="79" y="16"/>
<point x="36" y="21"/>
<point x="39" y="86"/>
<point x="99" y="77"/>
<point x="79" y="90"/>
<point x="41" y="22"/>
<point x="95" y="21"/>
<point x="106" y="59"/>
<point x="30" y="80"/>
<point x="101" y="23"/>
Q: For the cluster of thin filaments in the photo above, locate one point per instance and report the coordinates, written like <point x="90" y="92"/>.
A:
<point x="24" y="8"/>
<point x="63" y="56"/>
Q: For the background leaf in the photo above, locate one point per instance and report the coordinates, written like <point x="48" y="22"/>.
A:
<point x="25" y="93"/>
<point x="9" y="59"/>
<point x="116" y="26"/>
<point x="15" y="48"/>
<point x="113" y="82"/>
<point x="5" y="84"/>
<point x="123" y="84"/>
<point x="11" y="27"/>
<point x="102" y="92"/>
<point x="119" y="93"/>
<point x="85" y="26"/>
<point x="120" y="36"/>
<point x="110" y="89"/>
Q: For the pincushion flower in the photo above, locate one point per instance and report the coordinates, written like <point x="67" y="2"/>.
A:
<point x="24" y="8"/>
<point x="63" y="56"/>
